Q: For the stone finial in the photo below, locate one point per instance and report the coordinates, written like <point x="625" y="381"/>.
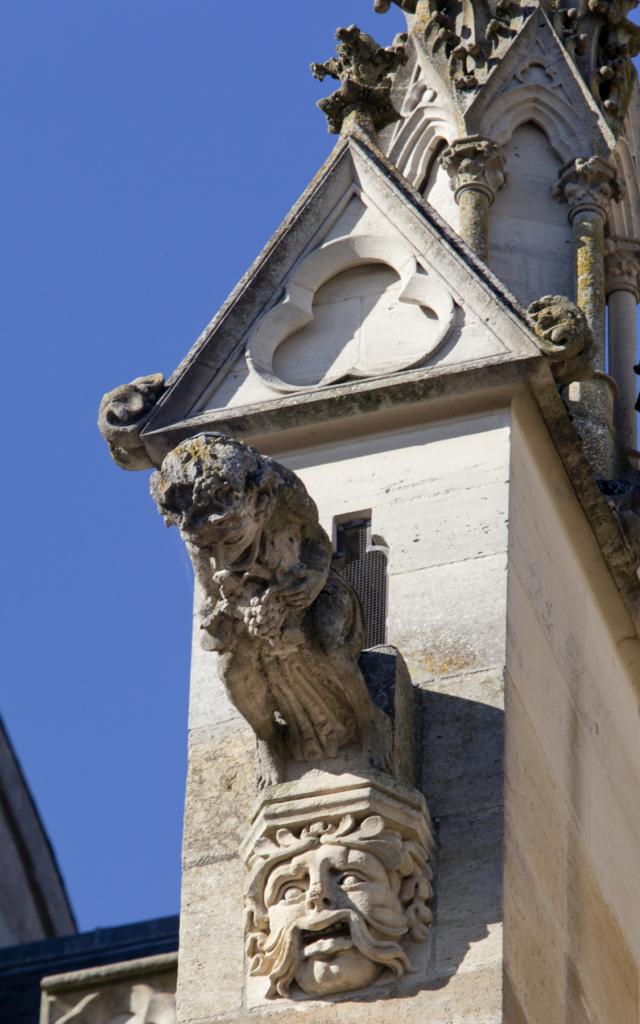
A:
<point x="365" y="72"/>
<point x="286" y="624"/>
<point x="622" y="265"/>
<point x="122" y="416"/>
<point x="564" y="336"/>
<point x="588" y="184"/>
<point x="476" y="164"/>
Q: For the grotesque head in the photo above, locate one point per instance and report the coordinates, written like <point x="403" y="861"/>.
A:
<point x="330" y="908"/>
<point x="562" y="329"/>
<point x="219" y="493"/>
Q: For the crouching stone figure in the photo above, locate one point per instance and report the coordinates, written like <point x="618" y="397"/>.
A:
<point x="287" y="627"/>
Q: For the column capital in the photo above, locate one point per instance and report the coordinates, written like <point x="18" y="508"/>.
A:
<point x="622" y="265"/>
<point x="365" y="71"/>
<point x="475" y="164"/>
<point x="588" y="184"/>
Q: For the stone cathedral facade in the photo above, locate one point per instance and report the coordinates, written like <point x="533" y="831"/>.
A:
<point x="403" y="460"/>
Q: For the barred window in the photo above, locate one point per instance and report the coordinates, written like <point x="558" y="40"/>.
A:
<point x="362" y="559"/>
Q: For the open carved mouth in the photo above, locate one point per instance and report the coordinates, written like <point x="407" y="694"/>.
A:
<point x="328" y="941"/>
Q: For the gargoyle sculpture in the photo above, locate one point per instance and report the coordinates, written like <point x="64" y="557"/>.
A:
<point x="565" y="336"/>
<point x="123" y="413"/>
<point x="287" y="627"/>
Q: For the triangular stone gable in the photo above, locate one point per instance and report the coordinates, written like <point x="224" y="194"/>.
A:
<point x="537" y="80"/>
<point x="445" y="309"/>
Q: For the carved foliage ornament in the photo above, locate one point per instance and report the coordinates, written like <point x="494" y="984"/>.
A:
<point x="330" y="907"/>
<point x="588" y="183"/>
<point x="365" y="72"/>
<point x="565" y="336"/>
<point x="474" y="163"/>
<point x="287" y="626"/>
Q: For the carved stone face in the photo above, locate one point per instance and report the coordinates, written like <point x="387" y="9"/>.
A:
<point x="207" y="488"/>
<point x="559" y="321"/>
<point x="338" y="904"/>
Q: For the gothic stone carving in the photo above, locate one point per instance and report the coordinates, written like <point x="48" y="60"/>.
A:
<point x="602" y="41"/>
<point x="564" y="335"/>
<point x="287" y="627"/>
<point x="123" y="413"/>
<point x="365" y="71"/>
<point x="109" y="1000"/>
<point x="334" y="905"/>
<point x="474" y="163"/>
<point x="588" y="184"/>
<point x="622" y="265"/>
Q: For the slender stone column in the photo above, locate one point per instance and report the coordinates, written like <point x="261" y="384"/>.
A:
<point x="476" y="169"/>
<point x="622" y="269"/>
<point x="589" y="186"/>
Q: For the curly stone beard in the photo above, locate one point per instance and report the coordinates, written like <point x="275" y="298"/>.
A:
<point x="280" y="959"/>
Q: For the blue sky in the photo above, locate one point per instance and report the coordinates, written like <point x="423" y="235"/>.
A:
<point x="151" y="148"/>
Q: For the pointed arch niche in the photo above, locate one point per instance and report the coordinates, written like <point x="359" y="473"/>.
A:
<point x="529" y="233"/>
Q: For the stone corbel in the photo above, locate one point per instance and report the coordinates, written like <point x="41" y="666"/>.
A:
<point x="338" y="887"/>
<point x="476" y="170"/>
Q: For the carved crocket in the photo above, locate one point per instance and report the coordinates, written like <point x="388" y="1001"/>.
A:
<point x="287" y="627"/>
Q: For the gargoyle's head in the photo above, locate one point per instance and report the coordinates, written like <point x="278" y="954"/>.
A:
<point x="564" y="334"/>
<point x="219" y="492"/>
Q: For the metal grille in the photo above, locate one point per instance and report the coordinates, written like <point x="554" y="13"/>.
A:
<point x="363" y="563"/>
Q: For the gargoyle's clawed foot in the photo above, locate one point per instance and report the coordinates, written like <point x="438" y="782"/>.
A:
<point x="378" y="742"/>
<point x="271" y="759"/>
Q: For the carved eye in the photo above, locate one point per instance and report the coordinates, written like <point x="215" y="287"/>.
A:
<point x="291" y="893"/>
<point x="350" y="881"/>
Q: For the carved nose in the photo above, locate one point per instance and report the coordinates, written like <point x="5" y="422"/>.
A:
<point x="317" y="898"/>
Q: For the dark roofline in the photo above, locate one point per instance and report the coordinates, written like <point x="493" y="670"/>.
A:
<point x="39" y="898"/>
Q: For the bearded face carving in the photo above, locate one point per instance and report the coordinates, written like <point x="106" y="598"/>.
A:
<point x="335" y="907"/>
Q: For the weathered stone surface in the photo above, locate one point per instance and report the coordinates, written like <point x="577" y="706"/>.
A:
<point x="338" y="885"/>
<point x="138" y="991"/>
<point x="287" y="626"/>
<point x="123" y="414"/>
<point x="565" y="336"/>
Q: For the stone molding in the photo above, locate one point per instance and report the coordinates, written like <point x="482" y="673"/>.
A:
<point x="588" y="185"/>
<point x="474" y="164"/>
<point x="139" y="991"/>
<point x="622" y="266"/>
<point x="365" y="71"/>
<point x="326" y="262"/>
<point x="329" y="858"/>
